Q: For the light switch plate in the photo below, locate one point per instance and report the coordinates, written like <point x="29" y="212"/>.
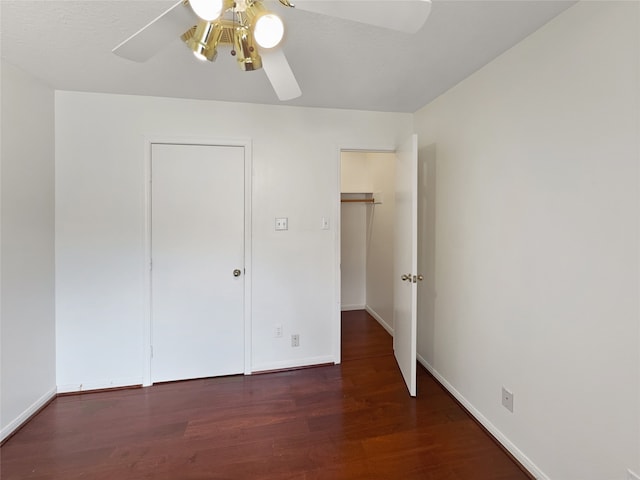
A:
<point x="325" y="223"/>
<point x="282" y="223"/>
<point x="507" y="399"/>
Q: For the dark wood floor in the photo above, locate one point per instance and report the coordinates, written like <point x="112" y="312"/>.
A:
<point x="350" y="421"/>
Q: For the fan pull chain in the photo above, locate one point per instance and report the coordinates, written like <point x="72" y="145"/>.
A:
<point x="233" y="39"/>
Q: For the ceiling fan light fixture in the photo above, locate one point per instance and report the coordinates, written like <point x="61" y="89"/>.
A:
<point x="200" y="56"/>
<point x="247" y="53"/>
<point x="268" y="30"/>
<point x="203" y="40"/>
<point x="207" y="10"/>
<point x="267" y="27"/>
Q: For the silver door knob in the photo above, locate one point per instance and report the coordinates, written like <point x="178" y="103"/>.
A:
<point x="237" y="273"/>
<point x="405" y="277"/>
<point x="420" y="278"/>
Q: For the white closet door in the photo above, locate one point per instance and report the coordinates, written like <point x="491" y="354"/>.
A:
<point x="197" y="253"/>
<point x="406" y="262"/>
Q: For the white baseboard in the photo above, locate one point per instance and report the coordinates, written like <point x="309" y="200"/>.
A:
<point x="499" y="436"/>
<point x="349" y="308"/>
<point x="83" y="387"/>
<point x="24" y="416"/>
<point x="297" y="363"/>
<point x="632" y="476"/>
<point x="379" y="319"/>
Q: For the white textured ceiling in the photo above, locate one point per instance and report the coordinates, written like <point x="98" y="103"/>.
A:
<point x="338" y="64"/>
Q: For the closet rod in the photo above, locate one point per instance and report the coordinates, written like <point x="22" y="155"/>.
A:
<point x="357" y="200"/>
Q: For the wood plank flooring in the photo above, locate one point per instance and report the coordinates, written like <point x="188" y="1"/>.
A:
<point x="349" y="421"/>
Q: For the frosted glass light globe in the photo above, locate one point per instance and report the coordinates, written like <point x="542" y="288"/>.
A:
<point x="200" y="56"/>
<point x="268" y="30"/>
<point x="207" y="10"/>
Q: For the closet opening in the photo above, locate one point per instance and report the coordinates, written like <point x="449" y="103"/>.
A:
<point x="367" y="191"/>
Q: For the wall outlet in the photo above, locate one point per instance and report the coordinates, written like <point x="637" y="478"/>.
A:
<point x="282" y="223"/>
<point x="507" y="399"/>
<point x="295" y="340"/>
<point x="278" y="331"/>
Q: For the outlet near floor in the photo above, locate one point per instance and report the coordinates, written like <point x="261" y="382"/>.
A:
<point x="295" y="340"/>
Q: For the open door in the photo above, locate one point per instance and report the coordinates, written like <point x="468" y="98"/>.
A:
<point x="406" y="261"/>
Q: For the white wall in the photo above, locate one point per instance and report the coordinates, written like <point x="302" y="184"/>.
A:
<point x="427" y="194"/>
<point x="353" y="244"/>
<point x="536" y="243"/>
<point x="355" y="180"/>
<point x="353" y="258"/>
<point x="100" y="267"/>
<point x="355" y="175"/>
<point x="380" y="238"/>
<point x="27" y="327"/>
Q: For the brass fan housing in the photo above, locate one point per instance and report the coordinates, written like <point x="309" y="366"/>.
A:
<point x="203" y="39"/>
<point x="246" y="51"/>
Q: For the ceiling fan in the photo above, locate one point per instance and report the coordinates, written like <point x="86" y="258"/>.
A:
<point x="255" y="33"/>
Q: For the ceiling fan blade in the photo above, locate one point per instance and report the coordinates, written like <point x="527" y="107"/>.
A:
<point x="152" y="38"/>
<point x="403" y="15"/>
<point x="280" y="75"/>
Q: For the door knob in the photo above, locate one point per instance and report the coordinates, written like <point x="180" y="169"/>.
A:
<point x="420" y="277"/>
<point x="405" y="277"/>
<point x="237" y="273"/>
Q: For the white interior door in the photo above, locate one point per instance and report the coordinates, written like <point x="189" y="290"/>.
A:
<point x="406" y="261"/>
<point x="197" y="254"/>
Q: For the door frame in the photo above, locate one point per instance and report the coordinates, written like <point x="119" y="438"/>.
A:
<point x="350" y="147"/>
<point x="146" y="267"/>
